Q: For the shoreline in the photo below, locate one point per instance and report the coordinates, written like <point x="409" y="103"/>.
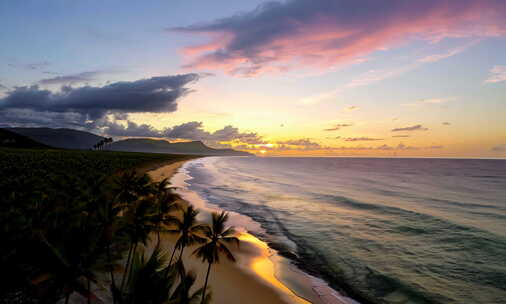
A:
<point x="250" y="279"/>
<point x="254" y="278"/>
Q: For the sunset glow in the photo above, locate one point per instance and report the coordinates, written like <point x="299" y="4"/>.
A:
<point x="312" y="80"/>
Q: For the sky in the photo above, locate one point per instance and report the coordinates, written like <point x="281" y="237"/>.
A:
<point x="275" y="78"/>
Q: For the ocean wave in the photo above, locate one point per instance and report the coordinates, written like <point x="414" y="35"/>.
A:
<point x="379" y="244"/>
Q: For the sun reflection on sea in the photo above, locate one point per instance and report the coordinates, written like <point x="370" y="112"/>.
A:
<point x="264" y="267"/>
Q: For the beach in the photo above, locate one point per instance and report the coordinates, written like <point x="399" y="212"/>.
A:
<point x="251" y="279"/>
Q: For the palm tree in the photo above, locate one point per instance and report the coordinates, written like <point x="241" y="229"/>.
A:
<point x="128" y="187"/>
<point x="150" y="280"/>
<point x="166" y="202"/>
<point x="182" y="294"/>
<point x="218" y="236"/>
<point x="107" y="217"/>
<point x="139" y="224"/>
<point x="188" y="230"/>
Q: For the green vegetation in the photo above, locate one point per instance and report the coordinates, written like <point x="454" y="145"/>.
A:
<point x="69" y="217"/>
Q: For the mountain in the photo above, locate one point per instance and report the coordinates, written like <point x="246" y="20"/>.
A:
<point x="81" y="140"/>
<point x="163" y="146"/>
<point x="10" y="139"/>
<point x="60" y="138"/>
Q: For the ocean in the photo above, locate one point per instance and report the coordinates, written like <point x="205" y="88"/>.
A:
<point x="382" y="230"/>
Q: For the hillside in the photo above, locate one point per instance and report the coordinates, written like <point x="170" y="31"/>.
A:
<point x="60" y="138"/>
<point x="9" y="139"/>
<point x="163" y="146"/>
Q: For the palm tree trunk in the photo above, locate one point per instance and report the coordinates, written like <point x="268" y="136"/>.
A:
<point x="126" y="266"/>
<point x="113" y="282"/>
<point x="181" y="254"/>
<point x="132" y="260"/>
<point x="89" y="292"/>
<point x="67" y="297"/>
<point x="109" y="261"/>
<point x="172" y="255"/>
<point x="205" y="284"/>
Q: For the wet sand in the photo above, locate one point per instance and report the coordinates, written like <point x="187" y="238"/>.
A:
<point x="253" y="277"/>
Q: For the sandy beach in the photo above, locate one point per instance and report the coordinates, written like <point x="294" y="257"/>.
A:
<point x="252" y="278"/>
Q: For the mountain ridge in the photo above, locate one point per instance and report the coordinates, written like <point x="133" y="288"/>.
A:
<point x="82" y="140"/>
<point x="164" y="146"/>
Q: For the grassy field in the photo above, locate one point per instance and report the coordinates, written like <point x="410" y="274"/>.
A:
<point x="54" y="206"/>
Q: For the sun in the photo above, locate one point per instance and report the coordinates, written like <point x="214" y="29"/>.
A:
<point x="263" y="151"/>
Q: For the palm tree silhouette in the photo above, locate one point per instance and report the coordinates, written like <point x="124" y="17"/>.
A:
<point x="128" y="187"/>
<point x="138" y="225"/>
<point x="182" y="294"/>
<point x="150" y="280"/>
<point x="166" y="202"/>
<point x="218" y="236"/>
<point x="188" y="230"/>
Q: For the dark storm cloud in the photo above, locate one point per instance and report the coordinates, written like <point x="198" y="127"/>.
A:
<point x="131" y="129"/>
<point x="29" y="118"/>
<point x="412" y="128"/>
<point x="156" y="94"/>
<point x="278" y="36"/>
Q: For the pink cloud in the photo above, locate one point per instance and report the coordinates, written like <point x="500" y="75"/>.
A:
<point x="278" y="37"/>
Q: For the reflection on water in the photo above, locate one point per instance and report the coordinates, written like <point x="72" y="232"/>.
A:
<point x="386" y="230"/>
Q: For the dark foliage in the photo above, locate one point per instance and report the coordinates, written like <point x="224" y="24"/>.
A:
<point x="58" y="220"/>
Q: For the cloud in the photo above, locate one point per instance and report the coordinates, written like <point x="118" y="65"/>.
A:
<point x="30" y="66"/>
<point x="72" y="78"/>
<point x="192" y="130"/>
<point x="338" y="127"/>
<point x="351" y="108"/>
<point x="447" y="54"/>
<point x="156" y="94"/>
<point x="374" y="76"/>
<point x="29" y="118"/>
<point x="412" y="128"/>
<point x="446" y="123"/>
<point x="303" y="143"/>
<point x="400" y="136"/>
<point x="497" y="74"/>
<point x="429" y="101"/>
<point x="313" y="99"/>
<point x="362" y="139"/>
<point x="131" y="129"/>
<point x="499" y="148"/>
<point x="279" y="36"/>
<point x="2" y="87"/>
